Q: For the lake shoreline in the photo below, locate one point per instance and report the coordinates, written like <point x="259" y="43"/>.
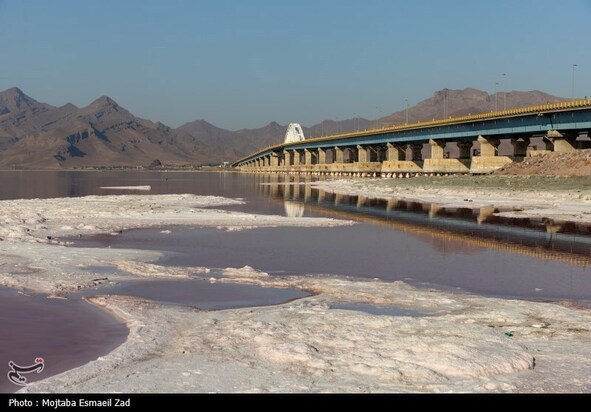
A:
<point x="564" y="199"/>
<point x="464" y="343"/>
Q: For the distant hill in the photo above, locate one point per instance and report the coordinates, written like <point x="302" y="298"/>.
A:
<point x="103" y="134"/>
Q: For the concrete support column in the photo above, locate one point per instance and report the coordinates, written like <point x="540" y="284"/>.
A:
<point x="465" y="148"/>
<point x="549" y="144"/>
<point x="519" y="147"/>
<point x="396" y="152"/>
<point x="275" y="159"/>
<point x="287" y="156"/>
<point x="488" y="146"/>
<point x="559" y="142"/>
<point x="321" y="156"/>
<point x="352" y="154"/>
<point x="381" y="154"/>
<point x="330" y="152"/>
<point x="308" y="156"/>
<point x="363" y="154"/>
<point x="437" y="148"/>
<point x="417" y="154"/>
<point x="296" y="157"/>
<point x="339" y="155"/>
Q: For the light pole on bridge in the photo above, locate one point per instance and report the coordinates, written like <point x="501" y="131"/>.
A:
<point x="573" y="84"/>
<point x="496" y="95"/>
<point x="504" y="92"/>
<point x="379" y="116"/>
<point x="406" y="100"/>
<point x="445" y="104"/>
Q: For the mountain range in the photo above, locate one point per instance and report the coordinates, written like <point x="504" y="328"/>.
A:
<point x="104" y="134"/>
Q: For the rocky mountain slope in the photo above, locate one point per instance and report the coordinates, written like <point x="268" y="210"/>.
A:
<point x="104" y="134"/>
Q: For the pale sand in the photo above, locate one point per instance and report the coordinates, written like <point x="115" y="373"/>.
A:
<point x="461" y="344"/>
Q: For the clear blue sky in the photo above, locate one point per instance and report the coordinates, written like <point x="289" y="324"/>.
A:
<point x="244" y="63"/>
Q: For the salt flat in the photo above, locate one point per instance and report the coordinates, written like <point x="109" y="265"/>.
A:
<point x="461" y="343"/>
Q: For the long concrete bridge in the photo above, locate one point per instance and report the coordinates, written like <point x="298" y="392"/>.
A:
<point x="398" y="150"/>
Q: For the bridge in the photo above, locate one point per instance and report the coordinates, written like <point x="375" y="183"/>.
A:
<point x="399" y="150"/>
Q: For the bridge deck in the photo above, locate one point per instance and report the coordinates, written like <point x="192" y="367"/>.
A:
<point x="532" y="120"/>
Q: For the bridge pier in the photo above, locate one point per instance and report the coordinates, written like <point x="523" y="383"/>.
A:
<point x="488" y="160"/>
<point x="274" y="159"/>
<point x="352" y="152"/>
<point x="287" y="158"/>
<point x="395" y="152"/>
<point x="489" y="146"/>
<point x="520" y="146"/>
<point x="307" y="156"/>
<point x="437" y="148"/>
<point x="397" y="162"/>
<point x="362" y="154"/>
<point x="439" y="163"/>
<point x="339" y="155"/>
<point x="559" y="142"/>
<point x="321" y="156"/>
<point x="417" y="152"/>
<point x="465" y="148"/>
<point x="297" y="158"/>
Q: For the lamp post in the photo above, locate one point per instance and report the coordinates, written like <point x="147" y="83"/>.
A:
<point x="504" y="92"/>
<point x="379" y="116"/>
<point x="573" y="85"/>
<point x="496" y="95"/>
<point x="406" y="100"/>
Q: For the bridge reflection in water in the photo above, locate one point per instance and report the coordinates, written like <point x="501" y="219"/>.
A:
<point x="542" y="238"/>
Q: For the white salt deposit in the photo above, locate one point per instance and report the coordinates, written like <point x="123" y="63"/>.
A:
<point x="463" y="343"/>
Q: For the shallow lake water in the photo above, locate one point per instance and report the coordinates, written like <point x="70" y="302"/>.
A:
<point x="200" y="294"/>
<point x="65" y="333"/>
<point x="471" y="250"/>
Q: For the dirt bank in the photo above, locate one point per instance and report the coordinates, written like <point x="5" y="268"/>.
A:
<point x="577" y="163"/>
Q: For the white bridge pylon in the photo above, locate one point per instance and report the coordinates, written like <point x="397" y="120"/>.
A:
<point x="294" y="133"/>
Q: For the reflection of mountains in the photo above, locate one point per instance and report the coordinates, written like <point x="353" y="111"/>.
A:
<point x="449" y="230"/>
